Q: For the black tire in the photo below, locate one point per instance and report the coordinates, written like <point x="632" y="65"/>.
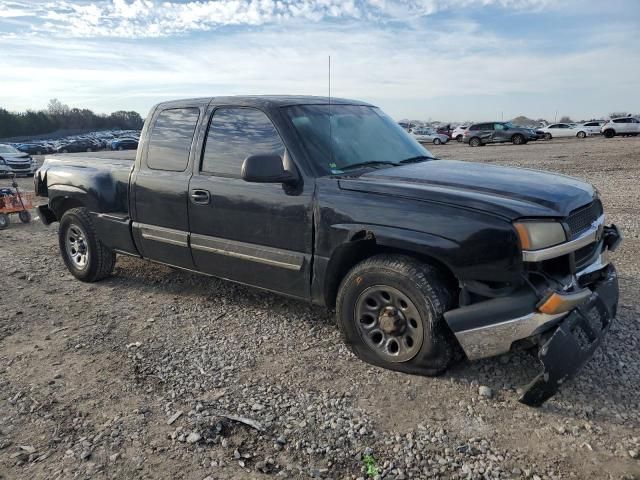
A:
<point x="548" y="136"/>
<point x="518" y="139"/>
<point x="459" y="138"/>
<point x="100" y="260"/>
<point x="437" y="141"/>
<point x="24" y="216"/>
<point x="581" y="134"/>
<point x="609" y="133"/>
<point x="4" y="221"/>
<point x="475" y="142"/>
<point x="429" y="296"/>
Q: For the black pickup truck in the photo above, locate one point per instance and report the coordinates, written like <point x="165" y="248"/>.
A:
<point x="330" y="201"/>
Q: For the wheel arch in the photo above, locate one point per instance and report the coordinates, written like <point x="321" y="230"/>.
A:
<point x="63" y="198"/>
<point x="365" y="242"/>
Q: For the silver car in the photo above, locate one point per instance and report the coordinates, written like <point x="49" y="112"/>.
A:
<point x="429" y="135"/>
<point x="13" y="161"/>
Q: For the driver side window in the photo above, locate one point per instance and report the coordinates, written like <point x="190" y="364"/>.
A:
<point x="236" y="133"/>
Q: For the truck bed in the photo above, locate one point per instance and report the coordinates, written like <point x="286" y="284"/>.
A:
<point x="97" y="181"/>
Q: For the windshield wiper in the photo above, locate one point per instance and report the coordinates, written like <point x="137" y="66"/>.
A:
<point x="368" y="164"/>
<point x="419" y="158"/>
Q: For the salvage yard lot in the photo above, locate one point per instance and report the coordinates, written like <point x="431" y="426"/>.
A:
<point x="91" y="374"/>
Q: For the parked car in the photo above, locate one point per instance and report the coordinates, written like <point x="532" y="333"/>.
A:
<point x="13" y="161"/>
<point x="497" y="132"/>
<point x="124" y="144"/>
<point x="76" y="146"/>
<point x="621" y="126"/>
<point x="34" y="148"/>
<point x="458" y="132"/>
<point x="593" y="127"/>
<point x="429" y="135"/>
<point x="564" y="130"/>
<point x="419" y="256"/>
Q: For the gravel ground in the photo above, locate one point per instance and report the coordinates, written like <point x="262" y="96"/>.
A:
<point x="155" y="373"/>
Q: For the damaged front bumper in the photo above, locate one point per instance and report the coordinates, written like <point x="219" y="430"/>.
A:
<point x="567" y="325"/>
<point x="565" y="349"/>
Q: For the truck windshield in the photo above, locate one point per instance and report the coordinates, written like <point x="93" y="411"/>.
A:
<point x="359" y="135"/>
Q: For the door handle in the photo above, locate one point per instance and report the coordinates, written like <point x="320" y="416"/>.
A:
<point x="201" y="197"/>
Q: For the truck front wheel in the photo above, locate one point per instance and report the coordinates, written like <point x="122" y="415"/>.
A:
<point x="390" y="312"/>
<point x="86" y="257"/>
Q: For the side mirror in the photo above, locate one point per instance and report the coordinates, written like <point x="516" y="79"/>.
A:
<point x="266" y="168"/>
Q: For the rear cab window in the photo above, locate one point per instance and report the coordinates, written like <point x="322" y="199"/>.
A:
<point x="171" y="138"/>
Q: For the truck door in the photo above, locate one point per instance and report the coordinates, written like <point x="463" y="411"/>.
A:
<point x="255" y="233"/>
<point x="160" y="188"/>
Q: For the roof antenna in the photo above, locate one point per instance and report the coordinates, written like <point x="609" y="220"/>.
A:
<point x="330" y="128"/>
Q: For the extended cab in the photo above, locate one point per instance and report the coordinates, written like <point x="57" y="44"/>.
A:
<point x="334" y="203"/>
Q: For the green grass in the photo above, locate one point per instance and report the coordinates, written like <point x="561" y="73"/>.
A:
<point x="370" y="463"/>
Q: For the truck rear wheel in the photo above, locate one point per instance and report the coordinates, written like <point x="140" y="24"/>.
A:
<point x="390" y="312"/>
<point x="86" y="257"/>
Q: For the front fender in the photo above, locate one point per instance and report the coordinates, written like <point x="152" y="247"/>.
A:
<point x="355" y="242"/>
<point x="439" y="248"/>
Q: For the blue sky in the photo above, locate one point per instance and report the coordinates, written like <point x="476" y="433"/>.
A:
<point x="424" y="59"/>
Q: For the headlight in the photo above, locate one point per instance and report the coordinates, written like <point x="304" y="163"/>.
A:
<point x="535" y="235"/>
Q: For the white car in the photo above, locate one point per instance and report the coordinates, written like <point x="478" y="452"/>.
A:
<point x="13" y="161"/>
<point x="428" y="135"/>
<point x="458" y="132"/>
<point x="621" y="126"/>
<point x="592" y="127"/>
<point x="564" y="130"/>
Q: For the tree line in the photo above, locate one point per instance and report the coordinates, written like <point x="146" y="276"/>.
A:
<point x="58" y="116"/>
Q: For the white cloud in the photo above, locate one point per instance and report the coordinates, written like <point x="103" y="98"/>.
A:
<point x="366" y="64"/>
<point x="158" y="18"/>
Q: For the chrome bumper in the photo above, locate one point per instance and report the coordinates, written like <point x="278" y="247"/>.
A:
<point x="497" y="339"/>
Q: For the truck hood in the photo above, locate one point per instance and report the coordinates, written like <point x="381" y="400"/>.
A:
<point x="505" y="191"/>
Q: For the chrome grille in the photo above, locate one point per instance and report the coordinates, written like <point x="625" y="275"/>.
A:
<point x="18" y="165"/>
<point x="580" y="219"/>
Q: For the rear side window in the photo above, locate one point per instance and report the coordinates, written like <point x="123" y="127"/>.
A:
<point x="236" y="133"/>
<point x="171" y="137"/>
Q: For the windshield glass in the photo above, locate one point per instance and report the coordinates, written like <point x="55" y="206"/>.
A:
<point x="8" y="149"/>
<point x="358" y="135"/>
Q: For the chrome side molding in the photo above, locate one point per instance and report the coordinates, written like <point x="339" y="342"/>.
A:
<point x="246" y="251"/>
<point x="162" y="234"/>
